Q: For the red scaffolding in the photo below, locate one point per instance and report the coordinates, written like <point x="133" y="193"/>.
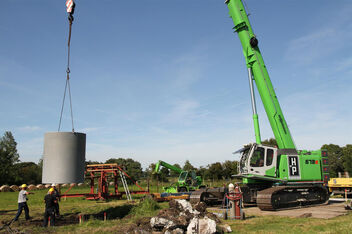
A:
<point x="103" y="172"/>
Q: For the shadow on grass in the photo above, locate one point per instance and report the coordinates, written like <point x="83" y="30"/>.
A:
<point x="117" y="212"/>
<point x="250" y="217"/>
<point x="7" y="211"/>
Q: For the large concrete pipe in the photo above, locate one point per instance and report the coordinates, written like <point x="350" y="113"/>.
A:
<point x="64" y="157"/>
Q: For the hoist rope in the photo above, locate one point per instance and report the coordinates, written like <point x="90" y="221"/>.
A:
<point x="246" y="8"/>
<point x="67" y="85"/>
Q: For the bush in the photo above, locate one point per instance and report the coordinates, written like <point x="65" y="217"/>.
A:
<point x="147" y="207"/>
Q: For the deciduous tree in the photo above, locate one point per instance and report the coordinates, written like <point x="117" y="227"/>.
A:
<point x="8" y="157"/>
<point x="335" y="157"/>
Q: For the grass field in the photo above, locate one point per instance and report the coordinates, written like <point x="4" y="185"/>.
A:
<point x="121" y="215"/>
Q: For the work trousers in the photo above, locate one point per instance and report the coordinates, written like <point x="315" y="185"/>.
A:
<point x="57" y="209"/>
<point x="49" y="213"/>
<point x="21" y="206"/>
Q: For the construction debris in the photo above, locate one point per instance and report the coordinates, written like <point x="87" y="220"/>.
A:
<point x="204" y="225"/>
<point x="180" y="218"/>
<point x="348" y="205"/>
<point x="225" y="228"/>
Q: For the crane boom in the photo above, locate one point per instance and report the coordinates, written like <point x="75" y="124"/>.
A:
<point x="256" y="66"/>
<point x="168" y="166"/>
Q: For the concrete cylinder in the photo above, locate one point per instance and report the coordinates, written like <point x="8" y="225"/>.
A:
<point x="64" y="157"/>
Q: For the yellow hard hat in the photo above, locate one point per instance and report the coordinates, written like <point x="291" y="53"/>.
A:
<point x="51" y="190"/>
<point x="23" y="186"/>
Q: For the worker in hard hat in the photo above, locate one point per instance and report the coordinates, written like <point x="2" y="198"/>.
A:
<point x="57" y="195"/>
<point x="22" y="202"/>
<point x="50" y="201"/>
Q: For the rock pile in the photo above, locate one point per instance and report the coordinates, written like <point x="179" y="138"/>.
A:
<point x="180" y="218"/>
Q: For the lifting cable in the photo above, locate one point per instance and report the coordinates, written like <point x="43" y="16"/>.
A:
<point x="70" y="10"/>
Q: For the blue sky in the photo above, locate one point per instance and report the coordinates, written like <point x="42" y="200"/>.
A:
<point x="158" y="79"/>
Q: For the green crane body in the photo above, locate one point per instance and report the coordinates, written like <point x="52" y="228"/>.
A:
<point x="284" y="164"/>
<point x="187" y="180"/>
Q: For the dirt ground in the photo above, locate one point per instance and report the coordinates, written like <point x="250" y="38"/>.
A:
<point x="331" y="210"/>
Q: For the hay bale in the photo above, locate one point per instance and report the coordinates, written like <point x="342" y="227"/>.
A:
<point x="73" y="184"/>
<point x="80" y="184"/>
<point x="5" y="188"/>
<point x="40" y="186"/>
<point x="32" y="187"/>
<point x="64" y="185"/>
<point x="14" y="188"/>
<point x="47" y="185"/>
<point x="111" y="183"/>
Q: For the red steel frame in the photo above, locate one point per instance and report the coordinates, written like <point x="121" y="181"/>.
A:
<point x="102" y="172"/>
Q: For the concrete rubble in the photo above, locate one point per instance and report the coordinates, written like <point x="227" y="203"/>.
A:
<point x="180" y="218"/>
<point x="204" y="225"/>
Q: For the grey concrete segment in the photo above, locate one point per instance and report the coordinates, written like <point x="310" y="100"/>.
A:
<point x="64" y="157"/>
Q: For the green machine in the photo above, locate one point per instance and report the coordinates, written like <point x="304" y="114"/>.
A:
<point x="274" y="178"/>
<point x="187" y="180"/>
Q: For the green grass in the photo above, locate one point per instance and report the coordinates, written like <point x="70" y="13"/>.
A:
<point x="147" y="207"/>
<point x="121" y="214"/>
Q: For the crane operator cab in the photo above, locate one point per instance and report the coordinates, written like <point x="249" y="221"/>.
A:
<point x="189" y="177"/>
<point x="257" y="160"/>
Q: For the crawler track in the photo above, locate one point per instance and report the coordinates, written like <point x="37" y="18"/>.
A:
<point x="210" y="196"/>
<point x="290" y="197"/>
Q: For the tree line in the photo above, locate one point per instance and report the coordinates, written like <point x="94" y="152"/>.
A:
<point x="13" y="171"/>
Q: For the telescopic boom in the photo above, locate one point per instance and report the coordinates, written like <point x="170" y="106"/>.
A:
<point x="168" y="166"/>
<point x="257" y="70"/>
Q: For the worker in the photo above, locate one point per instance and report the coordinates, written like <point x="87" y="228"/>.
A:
<point x="22" y="203"/>
<point x="50" y="200"/>
<point x="57" y="195"/>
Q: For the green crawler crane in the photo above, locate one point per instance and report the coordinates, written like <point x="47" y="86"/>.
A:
<point x="187" y="180"/>
<point x="282" y="177"/>
<point x="273" y="178"/>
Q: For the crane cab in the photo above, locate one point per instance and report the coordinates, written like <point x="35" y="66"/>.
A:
<point x="258" y="160"/>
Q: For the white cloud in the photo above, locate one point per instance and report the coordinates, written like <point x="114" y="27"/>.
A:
<point x="182" y="111"/>
<point x="326" y="39"/>
<point x="320" y="43"/>
<point x="319" y="116"/>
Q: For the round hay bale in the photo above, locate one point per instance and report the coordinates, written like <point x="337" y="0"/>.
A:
<point x="40" y="186"/>
<point x="73" y="184"/>
<point x="111" y="183"/>
<point x="64" y="185"/>
<point x="32" y="187"/>
<point x="14" y="188"/>
<point x="5" y="188"/>
<point x="47" y="185"/>
<point x="80" y="184"/>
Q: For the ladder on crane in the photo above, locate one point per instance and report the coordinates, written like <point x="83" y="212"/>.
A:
<point x="125" y="186"/>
